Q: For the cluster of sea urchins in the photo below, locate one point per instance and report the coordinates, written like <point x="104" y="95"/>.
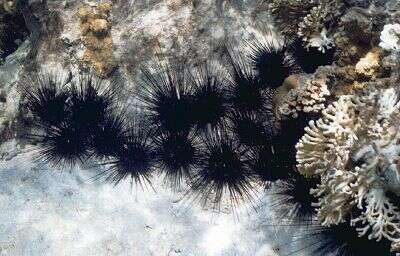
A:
<point x="212" y="126"/>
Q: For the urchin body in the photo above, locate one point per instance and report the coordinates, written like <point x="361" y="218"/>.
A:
<point x="135" y="159"/>
<point x="178" y="155"/>
<point x="167" y="98"/>
<point x="224" y="170"/>
<point x="68" y="114"/>
<point x="47" y="99"/>
<point x="272" y="62"/>
<point x="62" y="145"/>
<point x="209" y="108"/>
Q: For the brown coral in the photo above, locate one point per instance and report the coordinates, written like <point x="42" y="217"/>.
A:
<point x="358" y="32"/>
<point x="369" y="65"/>
<point x="96" y="37"/>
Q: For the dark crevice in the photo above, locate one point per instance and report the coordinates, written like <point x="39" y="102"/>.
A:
<point x="13" y="30"/>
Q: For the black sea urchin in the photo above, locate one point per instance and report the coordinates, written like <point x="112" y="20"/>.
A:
<point x="209" y="97"/>
<point x="108" y="138"/>
<point x="46" y="98"/>
<point x="91" y="101"/>
<point x="178" y="156"/>
<point x="137" y="156"/>
<point x="250" y="128"/>
<point x="271" y="62"/>
<point x="244" y="87"/>
<point x="62" y="145"/>
<point x="68" y="118"/>
<point x="289" y="133"/>
<point x="292" y="199"/>
<point x="340" y="240"/>
<point x="310" y="58"/>
<point x="167" y="98"/>
<point x="224" y="170"/>
<point x="266" y="165"/>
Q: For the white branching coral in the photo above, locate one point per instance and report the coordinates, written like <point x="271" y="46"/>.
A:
<point x="320" y="40"/>
<point x="316" y="151"/>
<point x="290" y="13"/>
<point x="382" y="216"/>
<point x="355" y="148"/>
<point x="309" y="96"/>
<point x="390" y="37"/>
<point x="313" y="31"/>
<point x="312" y="21"/>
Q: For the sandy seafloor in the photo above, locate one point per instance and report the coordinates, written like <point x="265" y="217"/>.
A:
<point x="45" y="211"/>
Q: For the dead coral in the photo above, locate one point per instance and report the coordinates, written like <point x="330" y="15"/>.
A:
<point x="96" y="37"/>
<point x="390" y="37"/>
<point x="312" y="93"/>
<point x="293" y="11"/>
<point x="354" y="149"/>
<point x="9" y="6"/>
<point x="312" y="21"/>
<point x="369" y="65"/>
<point x="313" y="31"/>
<point x="351" y="28"/>
<point x="309" y="96"/>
